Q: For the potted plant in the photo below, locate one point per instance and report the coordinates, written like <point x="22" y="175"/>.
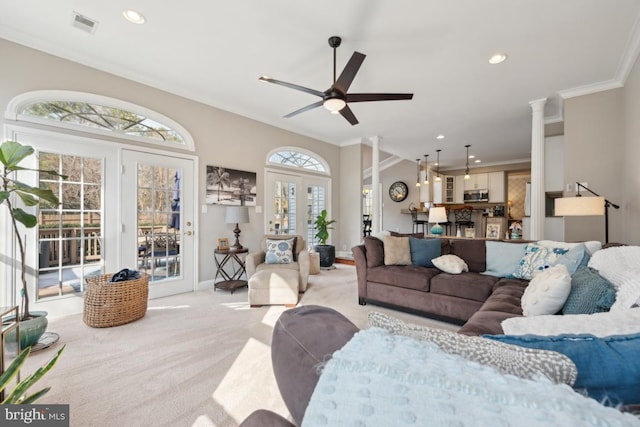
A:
<point x="32" y="324"/>
<point x="19" y="393"/>
<point x="327" y="252"/>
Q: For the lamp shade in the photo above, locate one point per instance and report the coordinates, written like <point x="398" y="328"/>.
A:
<point x="236" y="215"/>
<point x="437" y="215"/>
<point x="579" y="206"/>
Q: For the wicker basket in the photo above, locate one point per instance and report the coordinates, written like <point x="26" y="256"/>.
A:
<point x="109" y="304"/>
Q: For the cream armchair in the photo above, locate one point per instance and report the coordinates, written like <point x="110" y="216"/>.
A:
<point x="255" y="261"/>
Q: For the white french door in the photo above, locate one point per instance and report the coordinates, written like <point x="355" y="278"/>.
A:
<point x="293" y="202"/>
<point x="158" y="231"/>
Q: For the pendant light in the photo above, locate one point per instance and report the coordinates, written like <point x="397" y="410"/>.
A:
<point x="466" y="171"/>
<point x="438" y="166"/>
<point x="417" y="172"/>
<point x="426" y="169"/>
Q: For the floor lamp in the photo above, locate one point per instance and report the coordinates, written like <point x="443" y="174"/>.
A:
<point x="586" y="206"/>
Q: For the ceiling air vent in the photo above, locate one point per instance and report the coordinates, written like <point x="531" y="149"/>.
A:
<point x="84" y="23"/>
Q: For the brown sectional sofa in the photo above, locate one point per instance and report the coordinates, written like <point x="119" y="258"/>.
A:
<point x="477" y="301"/>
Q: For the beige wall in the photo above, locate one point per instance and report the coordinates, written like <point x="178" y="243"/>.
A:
<point x="594" y="153"/>
<point x="350" y="197"/>
<point x="221" y="138"/>
<point x="629" y="224"/>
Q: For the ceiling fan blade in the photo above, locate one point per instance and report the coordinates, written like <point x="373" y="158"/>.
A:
<point x="303" y="109"/>
<point x="292" y="86"/>
<point x="365" y="97"/>
<point x="348" y="114"/>
<point x="349" y="72"/>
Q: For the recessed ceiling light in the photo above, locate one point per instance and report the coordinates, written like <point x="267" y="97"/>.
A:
<point x="497" y="58"/>
<point x="477" y="161"/>
<point x="133" y="16"/>
<point x="441" y="136"/>
<point x="471" y="156"/>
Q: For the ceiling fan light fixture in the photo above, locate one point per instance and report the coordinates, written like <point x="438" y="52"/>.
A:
<point x="334" y="104"/>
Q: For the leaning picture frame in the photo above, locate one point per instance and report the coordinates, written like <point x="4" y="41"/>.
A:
<point x="223" y="244"/>
<point x="494" y="231"/>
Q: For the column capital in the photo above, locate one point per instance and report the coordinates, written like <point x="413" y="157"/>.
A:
<point x="538" y="104"/>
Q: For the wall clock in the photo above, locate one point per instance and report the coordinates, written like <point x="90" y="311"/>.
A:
<point x="398" y="191"/>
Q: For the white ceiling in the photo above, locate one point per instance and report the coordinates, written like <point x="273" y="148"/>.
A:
<point x="214" y="52"/>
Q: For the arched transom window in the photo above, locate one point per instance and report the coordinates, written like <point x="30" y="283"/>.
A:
<point x="298" y="159"/>
<point x="94" y="113"/>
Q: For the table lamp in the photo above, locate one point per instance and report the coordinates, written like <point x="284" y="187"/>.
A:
<point x="236" y="215"/>
<point x="437" y="215"/>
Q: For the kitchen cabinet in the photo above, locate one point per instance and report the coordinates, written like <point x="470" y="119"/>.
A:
<point x="477" y="181"/>
<point x="496" y="187"/>
<point x="449" y="188"/>
<point x="458" y="194"/>
<point x="437" y="189"/>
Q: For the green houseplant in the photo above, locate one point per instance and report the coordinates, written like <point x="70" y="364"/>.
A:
<point x="12" y="154"/>
<point x="19" y="393"/>
<point x="322" y="225"/>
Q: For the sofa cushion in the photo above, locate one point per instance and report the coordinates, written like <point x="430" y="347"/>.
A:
<point x="503" y="258"/>
<point x="537" y="258"/>
<point x="608" y="370"/>
<point x="590" y="293"/>
<point x="396" y="250"/>
<point x="451" y="264"/>
<point x="296" y="351"/>
<point x="508" y="359"/>
<point x="424" y="250"/>
<point x="375" y="251"/>
<point x="473" y="252"/>
<point x="403" y="276"/>
<point x="547" y="292"/>
<point x="473" y="286"/>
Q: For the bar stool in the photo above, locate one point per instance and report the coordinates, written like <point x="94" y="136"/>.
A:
<point x="463" y="216"/>
<point x="366" y="225"/>
<point x="417" y="222"/>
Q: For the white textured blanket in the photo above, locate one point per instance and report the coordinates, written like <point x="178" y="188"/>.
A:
<point x="621" y="266"/>
<point x="381" y="380"/>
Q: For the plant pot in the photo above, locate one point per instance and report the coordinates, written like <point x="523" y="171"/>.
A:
<point x="30" y="330"/>
<point x="327" y="255"/>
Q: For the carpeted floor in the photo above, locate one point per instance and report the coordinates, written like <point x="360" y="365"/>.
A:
<point x="195" y="359"/>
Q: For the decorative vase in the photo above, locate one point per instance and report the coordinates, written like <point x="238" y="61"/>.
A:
<point x="30" y="330"/>
<point x="327" y="255"/>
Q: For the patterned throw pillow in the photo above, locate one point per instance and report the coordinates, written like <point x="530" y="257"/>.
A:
<point x="279" y="251"/>
<point x="508" y="359"/>
<point x="537" y="258"/>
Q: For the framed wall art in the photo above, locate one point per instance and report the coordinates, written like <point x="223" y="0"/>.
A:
<point x="230" y="187"/>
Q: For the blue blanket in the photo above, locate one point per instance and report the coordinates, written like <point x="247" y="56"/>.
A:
<point x="382" y="380"/>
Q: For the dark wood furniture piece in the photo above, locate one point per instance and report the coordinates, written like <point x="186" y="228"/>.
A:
<point x="417" y="222"/>
<point x="366" y="226"/>
<point x="232" y="281"/>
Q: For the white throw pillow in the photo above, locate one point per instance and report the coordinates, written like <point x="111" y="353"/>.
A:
<point x="547" y="291"/>
<point x="621" y="322"/>
<point x="451" y="264"/>
<point x="621" y="266"/>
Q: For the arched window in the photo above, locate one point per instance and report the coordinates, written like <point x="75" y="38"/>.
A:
<point x="297" y="158"/>
<point x="98" y="114"/>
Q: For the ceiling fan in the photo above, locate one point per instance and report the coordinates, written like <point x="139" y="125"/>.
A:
<point x="336" y="98"/>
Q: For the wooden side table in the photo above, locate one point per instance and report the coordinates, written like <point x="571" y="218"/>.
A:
<point x="232" y="281"/>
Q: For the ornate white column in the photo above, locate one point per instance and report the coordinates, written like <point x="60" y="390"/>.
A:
<point x="537" y="169"/>
<point x="375" y="184"/>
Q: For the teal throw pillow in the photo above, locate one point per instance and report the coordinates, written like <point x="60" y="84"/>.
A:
<point x="590" y="293"/>
<point x="537" y="258"/>
<point x="608" y="368"/>
<point x="279" y="251"/>
<point x="503" y="258"/>
<point x="572" y="259"/>
<point x="424" y="250"/>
